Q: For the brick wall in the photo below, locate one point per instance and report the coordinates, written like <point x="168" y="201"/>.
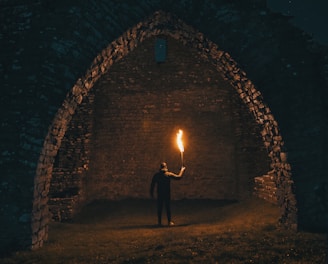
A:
<point x="139" y="107"/>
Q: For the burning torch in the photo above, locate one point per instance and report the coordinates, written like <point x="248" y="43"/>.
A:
<point x="180" y="145"/>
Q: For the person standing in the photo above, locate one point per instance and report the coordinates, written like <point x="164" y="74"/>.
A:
<point x="163" y="181"/>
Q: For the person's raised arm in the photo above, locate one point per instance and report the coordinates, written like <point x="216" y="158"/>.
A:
<point x="176" y="176"/>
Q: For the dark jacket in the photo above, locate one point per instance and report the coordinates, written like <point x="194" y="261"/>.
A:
<point x="163" y="181"/>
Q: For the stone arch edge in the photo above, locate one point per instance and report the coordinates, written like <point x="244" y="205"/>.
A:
<point x="161" y="23"/>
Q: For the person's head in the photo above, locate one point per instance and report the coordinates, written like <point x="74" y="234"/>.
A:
<point x="163" y="166"/>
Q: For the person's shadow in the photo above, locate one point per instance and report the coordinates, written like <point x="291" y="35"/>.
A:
<point x="150" y="226"/>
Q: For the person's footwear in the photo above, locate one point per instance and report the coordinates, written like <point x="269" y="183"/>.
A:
<point x="171" y="223"/>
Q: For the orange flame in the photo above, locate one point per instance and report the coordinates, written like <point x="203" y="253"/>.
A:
<point x="179" y="140"/>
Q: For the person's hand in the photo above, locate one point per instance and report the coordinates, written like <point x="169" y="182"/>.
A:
<point x="183" y="168"/>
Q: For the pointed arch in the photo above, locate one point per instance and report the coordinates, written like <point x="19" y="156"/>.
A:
<point x="161" y="23"/>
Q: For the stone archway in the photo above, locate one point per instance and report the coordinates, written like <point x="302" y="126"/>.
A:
<point x="162" y="24"/>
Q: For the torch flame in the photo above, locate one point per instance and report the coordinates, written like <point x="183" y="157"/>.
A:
<point x="179" y="140"/>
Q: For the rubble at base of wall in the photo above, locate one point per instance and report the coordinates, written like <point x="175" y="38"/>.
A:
<point x="63" y="209"/>
<point x="265" y="188"/>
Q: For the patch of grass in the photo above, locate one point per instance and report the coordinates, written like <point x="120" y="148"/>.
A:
<point x="206" y="232"/>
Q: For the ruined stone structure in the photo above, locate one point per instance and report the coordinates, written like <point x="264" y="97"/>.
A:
<point x="96" y="137"/>
<point x="139" y="100"/>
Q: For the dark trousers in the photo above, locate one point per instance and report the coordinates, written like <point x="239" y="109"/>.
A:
<point x="166" y="201"/>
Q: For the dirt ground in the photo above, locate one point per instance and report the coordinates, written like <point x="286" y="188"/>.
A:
<point x="206" y="231"/>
